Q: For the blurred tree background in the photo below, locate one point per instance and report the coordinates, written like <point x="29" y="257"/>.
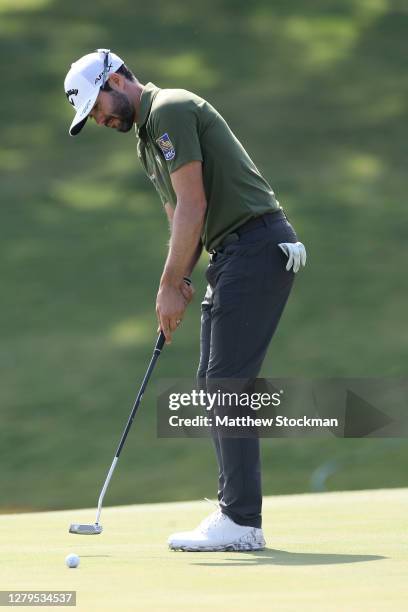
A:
<point x="316" y="91"/>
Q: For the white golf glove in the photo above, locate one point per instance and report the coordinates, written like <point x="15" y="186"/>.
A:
<point x="296" y="253"/>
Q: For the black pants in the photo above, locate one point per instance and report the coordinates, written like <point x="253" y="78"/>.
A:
<point x="248" y="287"/>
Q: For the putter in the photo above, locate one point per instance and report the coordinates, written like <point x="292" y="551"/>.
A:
<point x="97" y="528"/>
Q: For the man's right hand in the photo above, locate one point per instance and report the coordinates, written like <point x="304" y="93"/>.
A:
<point x="169" y="309"/>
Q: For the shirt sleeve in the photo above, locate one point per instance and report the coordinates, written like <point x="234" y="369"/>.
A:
<point x="176" y="132"/>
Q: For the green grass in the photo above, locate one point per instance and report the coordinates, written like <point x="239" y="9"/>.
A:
<point x="316" y="91"/>
<point x="325" y="552"/>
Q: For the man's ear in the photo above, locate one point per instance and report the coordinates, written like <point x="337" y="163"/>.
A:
<point x="116" y="81"/>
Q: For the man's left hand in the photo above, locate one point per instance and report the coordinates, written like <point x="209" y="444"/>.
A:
<point x="187" y="289"/>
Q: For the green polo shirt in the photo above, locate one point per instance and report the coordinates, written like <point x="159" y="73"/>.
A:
<point x="176" y="127"/>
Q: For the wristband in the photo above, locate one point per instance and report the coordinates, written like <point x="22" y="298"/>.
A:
<point x="187" y="280"/>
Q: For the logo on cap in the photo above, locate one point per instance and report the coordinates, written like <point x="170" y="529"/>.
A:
<point x="100" y="75"/>
<point x="71" y="92"/>
<point x="86" y="107"/>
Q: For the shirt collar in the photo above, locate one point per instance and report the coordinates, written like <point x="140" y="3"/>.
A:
<point x="148" y="94"/>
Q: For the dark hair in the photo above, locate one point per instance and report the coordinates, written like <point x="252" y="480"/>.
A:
<point x="123" y="69"/>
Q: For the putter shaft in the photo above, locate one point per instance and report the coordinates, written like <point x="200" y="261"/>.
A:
<point x="93" y="529"/>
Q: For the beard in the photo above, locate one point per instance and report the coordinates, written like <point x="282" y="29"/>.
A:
<point x="123" y="110"/>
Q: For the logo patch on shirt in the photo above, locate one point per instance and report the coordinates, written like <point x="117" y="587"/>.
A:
<point x="166" y="146"/>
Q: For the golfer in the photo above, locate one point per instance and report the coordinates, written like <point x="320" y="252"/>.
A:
<point x="215" y="198"/>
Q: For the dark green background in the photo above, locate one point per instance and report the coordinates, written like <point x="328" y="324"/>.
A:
<point x="317" y="93"/>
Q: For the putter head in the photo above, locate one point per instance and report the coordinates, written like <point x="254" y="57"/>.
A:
<point x="94" y="529"/>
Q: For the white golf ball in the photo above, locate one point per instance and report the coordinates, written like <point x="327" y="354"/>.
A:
<point x="72" y="560"/>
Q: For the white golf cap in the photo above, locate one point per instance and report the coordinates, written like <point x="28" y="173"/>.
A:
<point x="83" y="82"/>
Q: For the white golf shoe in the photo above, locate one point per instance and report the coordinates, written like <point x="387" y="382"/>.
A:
<point x="218" y="532"/>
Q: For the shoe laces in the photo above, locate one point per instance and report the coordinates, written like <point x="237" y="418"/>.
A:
<point x="213" y="519"/>
<point x="209" y="520"/>
<point x="210" y="501"/>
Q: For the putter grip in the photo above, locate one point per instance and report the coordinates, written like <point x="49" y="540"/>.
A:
<point x="160" y="342"/>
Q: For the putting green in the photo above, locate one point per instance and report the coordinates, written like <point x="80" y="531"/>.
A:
<point x="332" y="551"/>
